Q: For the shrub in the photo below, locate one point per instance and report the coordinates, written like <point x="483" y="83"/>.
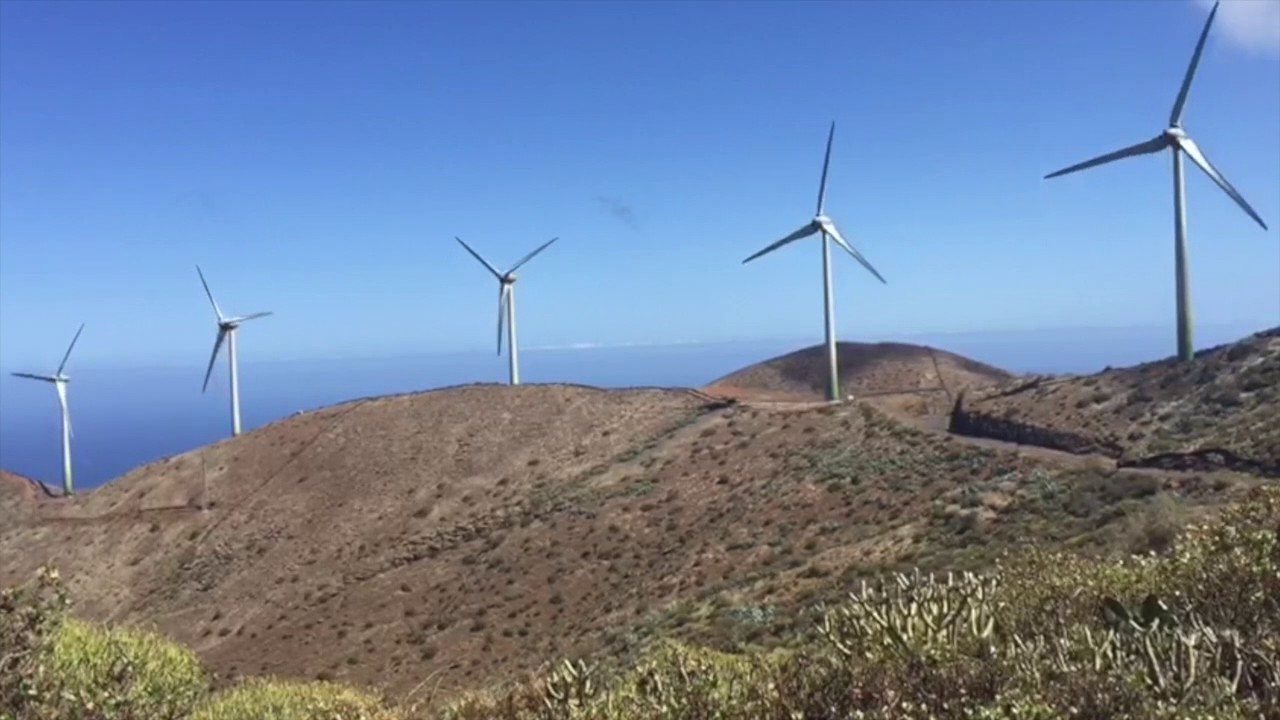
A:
<point x="1156" y="527"/>
<point x="261" y="698"/>
<point x="132" y="672"/>
<point x="58" y="668"/>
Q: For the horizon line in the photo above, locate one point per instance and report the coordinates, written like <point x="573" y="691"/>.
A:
<point x="587" y="346"/>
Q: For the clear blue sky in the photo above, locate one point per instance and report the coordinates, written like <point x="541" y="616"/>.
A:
<point x="318" y="158"/>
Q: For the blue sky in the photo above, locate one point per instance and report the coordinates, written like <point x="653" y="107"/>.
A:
<point x="318" y="158"/>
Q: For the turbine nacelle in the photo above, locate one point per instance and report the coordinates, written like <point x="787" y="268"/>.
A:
<point x="1176" y="138"/>
<point x="226" y="326"/>
<point x="506" y="293"/>
<point x="58" y="377"/>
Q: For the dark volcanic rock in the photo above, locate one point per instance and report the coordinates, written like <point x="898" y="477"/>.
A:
<point x="975" y="423"/>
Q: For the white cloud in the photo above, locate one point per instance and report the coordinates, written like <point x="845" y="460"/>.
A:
<point x="1250" y="24"/>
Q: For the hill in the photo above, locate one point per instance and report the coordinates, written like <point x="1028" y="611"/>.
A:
<point x="19" y="495"/>
<point x="468" y="534"/>
<point x="866" y="369"/>
<point x="1220" y="410"/>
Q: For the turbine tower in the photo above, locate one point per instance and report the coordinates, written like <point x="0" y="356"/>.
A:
<point x="507" y="303"/>
<point x="827" y="228"/>
<point x="227" y="327"/>
<point x="1175" y="139"/>
<point x="60" y="381"/>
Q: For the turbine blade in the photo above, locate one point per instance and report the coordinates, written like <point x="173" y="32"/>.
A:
<point x="831" y="230"/>
<point x="826" y="163"/>
<point x="1193" y="151"/>
<point x="803" y="232"/>
<point x="1155" y="144"/>
<point x="217" y="345"/>
<point x="63" y="364"/>
<point x="476" y="255"/>
<point x="529" y="257"/>
<point x="1175" y="116"/>
<point x="253" y="316"/>
<point x="214" y="303"/>
<point x="29" y="376"/>
<point x="502" y="311"/>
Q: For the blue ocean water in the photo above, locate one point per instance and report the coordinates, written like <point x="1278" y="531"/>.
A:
<point x="124" y="417"/>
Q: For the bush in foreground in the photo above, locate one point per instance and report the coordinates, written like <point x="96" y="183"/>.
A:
<point x="59" y="668"/>
<point x="289" y="700"/>
<point x="123" y="672"/>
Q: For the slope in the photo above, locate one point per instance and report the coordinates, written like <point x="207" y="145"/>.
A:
<point x="469" y="534"/>
<point x="1220" y="410"/>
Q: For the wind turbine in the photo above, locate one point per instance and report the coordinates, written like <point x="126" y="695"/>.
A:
<point x="507" y="303"/>
<point x="227" y="327"/>
<point x="827" y="228"/>
<point x="1176" y="139"/>
<point x="60" y="381"/>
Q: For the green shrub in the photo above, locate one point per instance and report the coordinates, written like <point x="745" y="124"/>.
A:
<point x="262" y="698"/>
<point x="57" y="668"/>
<point x="123" y="673"/>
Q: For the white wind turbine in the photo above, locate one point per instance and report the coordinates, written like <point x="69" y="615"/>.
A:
<point x="227" y="327"/>
<point x="507" y="303"/>
<point x="827" y="228"/>
<point x="1176" y="139"/>
<point x="60" y="381"/>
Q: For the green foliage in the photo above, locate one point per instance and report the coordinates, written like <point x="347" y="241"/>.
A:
<point x="123" y="673"/>
<point x="58" y="668"/>
<point x="289" y="700"/>
<point x="914" y="616"/>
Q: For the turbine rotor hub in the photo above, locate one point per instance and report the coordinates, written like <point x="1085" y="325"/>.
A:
<point x="509" y="279"/>
<point x="1175" y="132"/>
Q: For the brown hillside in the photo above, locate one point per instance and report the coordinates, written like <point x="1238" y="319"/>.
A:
<point x="469" y="534"/>
<point x="18" y="496"/>
<point x="866" y="369"/>
<point x="1221" y="409"/>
